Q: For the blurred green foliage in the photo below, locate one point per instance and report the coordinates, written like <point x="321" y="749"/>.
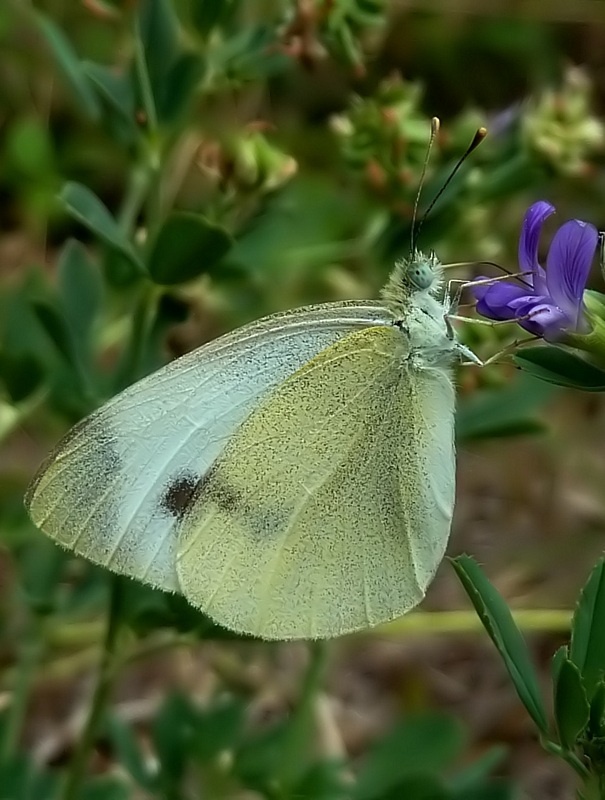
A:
<point x="173" y="169"/>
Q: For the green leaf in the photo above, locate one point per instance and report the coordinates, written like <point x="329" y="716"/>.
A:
<point x="21" y="375"/>
<point x="555" y="365"/>
<point x="160" y="38"/>
<point x="324" y="780"/>
<point x="29" y="149"/>
<point x="571" y="704"/>
<point x="218" y="729"/>
<point x="81" y="291"/>
<point x="21" y="779"/>
<point x="40" y="572"/>
<point x="56" y="329"/>
<point x="504" y="412"/>
<point x="106" y="788"/>
<point x="209" y="14"/>
<point x="561" y="654"/>
<point x="129" y="752"/>
<point x="72" y="384"/>
<point x="416" y="746"/>
<point x="500" y="625"/>
<point x="172" y="731"/>
<point x="259" y="758"/>
<point x="597" y="711"/>
<point x="587" y="646"/>
<point x="116" y="88"/>
<point x="186" y="246"/>
<point x="474" y="775"/>
<point x="417" y="787"/>
<point x="179" y="86"/>
<point x="70" y="65"/>
<point x="85" y="206"/>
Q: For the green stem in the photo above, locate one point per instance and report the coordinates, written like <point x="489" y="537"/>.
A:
<point x="152" y="142"/>
<point x="102" y="691"/>
<point x="567" y="756"/>
<point x="295" y="748"/>
<point x="25" y="672"/>
<point x="144" y="82"/>
<point x="136" y="192"/>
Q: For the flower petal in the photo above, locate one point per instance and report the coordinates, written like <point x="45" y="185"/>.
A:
<point x="478" y="290"/>
<point x="529" y="241"/>
<point x="540" y="317"/>
<point x="495" y="303"/>
<point x="568" y="266"/>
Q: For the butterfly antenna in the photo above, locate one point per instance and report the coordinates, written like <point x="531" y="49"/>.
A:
<point x="435" y="125"/>
<point x="477" y="139"/>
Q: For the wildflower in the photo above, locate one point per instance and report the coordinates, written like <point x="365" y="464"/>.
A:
<point x="547" y="302"/>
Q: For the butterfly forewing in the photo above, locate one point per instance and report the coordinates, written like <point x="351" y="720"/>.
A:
<point x="323" y="514"/>
<point x="114" y="489"/>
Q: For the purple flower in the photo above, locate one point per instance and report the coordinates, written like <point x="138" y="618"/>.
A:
<point x="553" y="297"/>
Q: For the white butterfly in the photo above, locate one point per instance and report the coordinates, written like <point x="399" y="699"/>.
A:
<point x="293" y="479"/>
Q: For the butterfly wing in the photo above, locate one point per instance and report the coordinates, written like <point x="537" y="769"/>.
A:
<point x="329" y="509"/>
<point x="115" y="486"/>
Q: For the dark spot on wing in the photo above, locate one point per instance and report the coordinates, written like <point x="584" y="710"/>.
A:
<point x="187" y="487"/>
<point x="222" y="494"/>
<point x="178" y="495"/>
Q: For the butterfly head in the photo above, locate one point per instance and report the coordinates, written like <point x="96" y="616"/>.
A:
<point x="421" y="272"/>
<point x="412" y="281"/>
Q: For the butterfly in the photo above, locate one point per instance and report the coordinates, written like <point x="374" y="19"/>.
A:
<point x="292" y="479"/>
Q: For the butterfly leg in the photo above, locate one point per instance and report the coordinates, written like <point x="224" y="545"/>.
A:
<point x="493" y="359"/>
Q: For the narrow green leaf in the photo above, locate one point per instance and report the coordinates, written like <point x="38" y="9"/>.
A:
<point x="179" y="86"/>
<point x="81" y="290"/>
<point x="70" y="65"/>
<point x="208" y="14"/>
<point x="597" y="711"/>
<point x="561" y="654"/>
<point x="129" y="753"/>
<point x="555" y="365"/>
<point x="160" y="35"/>
<point x="186" y="246"/>
<point x="85" y="206"/>
<point x="21" y="374"/>
<point x="500" y="625"/>
<point x="56" y="329"/>
<point x="172" y="732"/>
<point x="571" y="704"/>
<point x="115" y="87"/>
<point x="587" y="647"/>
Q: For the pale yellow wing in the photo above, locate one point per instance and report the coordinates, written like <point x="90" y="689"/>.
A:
<point x="114" y="487"/>
<point x="330" y="507"/>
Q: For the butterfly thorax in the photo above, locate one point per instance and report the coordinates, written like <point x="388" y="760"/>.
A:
<point x="411" y="295"/>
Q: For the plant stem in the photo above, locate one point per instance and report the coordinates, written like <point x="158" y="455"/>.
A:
<point x="102" y="691"/>
<point x="567" y="756"/>
<point x="295" y="748"/>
